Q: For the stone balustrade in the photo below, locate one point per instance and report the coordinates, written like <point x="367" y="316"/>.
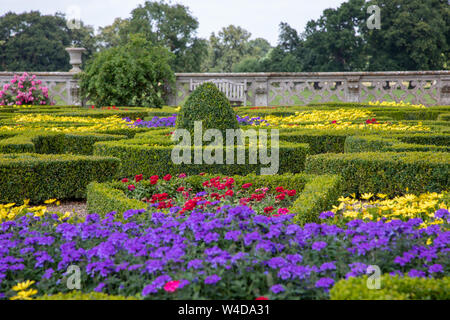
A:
<point x="282" y="89"/>
<point x="287" y="89"/>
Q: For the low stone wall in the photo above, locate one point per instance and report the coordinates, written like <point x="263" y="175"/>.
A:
<point x="287" y="89"/>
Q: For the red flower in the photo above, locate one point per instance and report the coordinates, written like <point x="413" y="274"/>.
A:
<point x="229" y="193"/>
<point x="139" y="177"/>
<point x="268" y="209"/>
<point x="334" y="121"/>
<point x="262" y="298"/>
<point x="279" y="189"/>
<point x="180" y="189"/>
<point x="202" y="174"/>
<point x="247" y="185"/>
<point x="171" y="286"/>
<point x="167" y="177"/>
<point x="291" y="193"/>
<point x="125" y="180"/>
<point x="281" y="196"/>
<point x="93" y="107"/>
<point x="131" y="187"/>
<point x="154" y="179"/>
<point x="283" y="211"/>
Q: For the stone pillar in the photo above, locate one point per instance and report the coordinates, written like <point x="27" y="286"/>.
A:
<point x="76" y="61"/>
<point x="353" y="92"/>
<point x="261" y="92"/>
<point x="445" y="92"/>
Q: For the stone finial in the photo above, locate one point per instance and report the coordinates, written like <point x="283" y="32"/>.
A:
<point x="75" y="58"/>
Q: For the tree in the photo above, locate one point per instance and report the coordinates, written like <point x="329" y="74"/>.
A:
<point x="113" y="35"/>
<point x="172" y="26"/>
<point x="333" y="42"/>
<point x="135" y="74"/>
<point x="229" y="47"/>
<point x="34" y="42"/>
<point x="414" y="35"/>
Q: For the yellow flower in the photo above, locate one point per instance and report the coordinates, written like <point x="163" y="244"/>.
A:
<point x="366" y="196"/>
<point x="381" y="195"/>
<point x="49" y="201"/>
<point x="24" y="295"/>
<point x="23" y="285"/>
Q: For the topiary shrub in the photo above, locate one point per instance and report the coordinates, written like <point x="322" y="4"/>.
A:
<point x="209" y="105"/>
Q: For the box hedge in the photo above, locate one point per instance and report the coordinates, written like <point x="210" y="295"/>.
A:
<point x="392" y="288"/>
<point x="54" y="143"/>
<point x="41" y="177"/>
<point x="390" y="173"/>
<point x="78" y="295"/>
<point x="145" y="156"/>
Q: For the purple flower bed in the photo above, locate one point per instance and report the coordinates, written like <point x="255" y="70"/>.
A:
<point x="229" y="254"/>
<point x="158" y="122"/>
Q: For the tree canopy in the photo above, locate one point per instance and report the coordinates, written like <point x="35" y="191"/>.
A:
<point x="34" y="42"/>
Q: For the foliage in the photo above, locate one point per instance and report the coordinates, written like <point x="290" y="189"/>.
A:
<point x="40" y="177"/>
<point x="170" y="26"/>
<point x="386" y="172"/>
<point x="34" y="42"/>
<point x="392" y="288"/>
<point x="209" y="105"/>
<point x="136" y="74"/>
<point x="24" y="90"/>
<point x="78" y="295"/>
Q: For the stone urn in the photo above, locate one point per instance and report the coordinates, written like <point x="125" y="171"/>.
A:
<point x="75" y="58"/>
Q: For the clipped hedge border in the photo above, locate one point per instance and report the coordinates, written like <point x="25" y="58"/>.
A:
<point x="54" y="143"/>
<point x="319" y="194"/>
<point x="78" y="295"/>
<point x="390" y="173"/>
<point x="383" y="144"/>
<point x="316" y="193"/>
<point x="41" y="177"/>
<point x="444" y="117"/>
<point x="103" y="198"/>
<point x="143" y="156"/>
<point x="392" y="288"/>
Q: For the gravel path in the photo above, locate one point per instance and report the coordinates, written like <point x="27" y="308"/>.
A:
<point x="79" y="207"/>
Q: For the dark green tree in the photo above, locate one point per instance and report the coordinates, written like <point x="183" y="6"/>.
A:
<point x="135" y="74"/>
<point x="172" y="26"/>
<point x="34" y="42"/>
<point x="414" y="35"/>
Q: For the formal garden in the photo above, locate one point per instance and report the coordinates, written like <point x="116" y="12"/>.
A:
<point x="144" y="162"/>
<point x="359" y="188"/>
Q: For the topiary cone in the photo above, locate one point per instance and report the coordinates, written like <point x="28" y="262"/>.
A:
<point x="209" y="105"/>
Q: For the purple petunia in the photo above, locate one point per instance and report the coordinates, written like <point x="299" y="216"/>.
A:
<point x="212" y="279"/>
<point x="326" y="215"/>
<point x="319" y="245"/>
<point x="324" y="283"/>
<point x="278" y="288"/>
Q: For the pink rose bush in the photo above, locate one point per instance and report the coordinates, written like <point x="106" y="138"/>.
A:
<point x="24" y="90"/>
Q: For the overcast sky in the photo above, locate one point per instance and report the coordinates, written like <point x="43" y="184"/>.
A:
<point x="260" y="17"/>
